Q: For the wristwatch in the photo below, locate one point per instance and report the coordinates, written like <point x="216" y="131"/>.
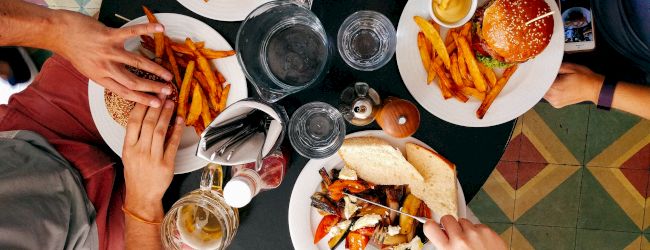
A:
<point x="606" y="95"/>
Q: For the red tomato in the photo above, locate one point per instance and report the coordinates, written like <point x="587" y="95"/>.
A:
<point x="366" y="231"/>
<point x="357" y="241"/>
<point x="337" y="187"/>
<point x="324" y="226"/>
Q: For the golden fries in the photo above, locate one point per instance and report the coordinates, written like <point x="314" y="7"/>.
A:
<point x="455" y="72"/>
<point x="444" y="83"/>
<point x="472" y="64"/>
<point x="205" y="112"/>
<point x="196" y="106"/>
<point x="158" y="36"/>
<point x="434" y="37"/>
<point x="184" y="93"/>
<point x="473" y="93"/>
<point x="216" y="54"/>
<point x="424" y="53"/>
<point x="204" y="66"/>
<point x="494" y="92"/>
<point x="224" y="98"/>
<point x="489" y="74"/>
<point x="172" y="61"/>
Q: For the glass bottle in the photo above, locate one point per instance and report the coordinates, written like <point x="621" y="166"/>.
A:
<point x="246" y="182"/>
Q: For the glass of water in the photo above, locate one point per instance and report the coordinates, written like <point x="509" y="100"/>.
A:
<point x="283" y="49"/>
<point x="366" y="40"/>
<point x="316" y="130"/>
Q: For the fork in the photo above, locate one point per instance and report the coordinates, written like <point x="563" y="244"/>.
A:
<point x="377" y="239"/>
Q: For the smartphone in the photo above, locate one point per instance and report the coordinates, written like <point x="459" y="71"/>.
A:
<point x="578" y="25"/>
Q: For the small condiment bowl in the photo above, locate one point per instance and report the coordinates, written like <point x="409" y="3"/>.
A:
<point x="461" y="22"/>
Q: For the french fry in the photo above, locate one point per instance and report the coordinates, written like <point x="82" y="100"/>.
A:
<point x="172" y="61"/>
<point x="195" y="107"/>
<point x="216" y="54"/>
<point x="465" y="30"/>
<point x="473" y="93"/>
<point x="462" y="67"/>
<point x="198" y="127"/>
<point x="459" y="95"/>
<point x="158" y="37"/>
<point x="224" y="98"/>
<point x="472" y="64"/>
<point x="494" y="92"/>
<point x="184" y="93"/>
<point x="455" y="72"/>
<point x="200" y="44"/>
<point x="489" y="74"/>
<point x="434" y="37"/>
<point x="221" y="78"/>
<point x="205" y="113"/>
<point x="181" y="48"/>
<point x="214" y="96"/>
<point x="424" y="54"/>
<point x="444" y="82"/>
<point x="449" y="39"/>
<point x="204" y="66"/>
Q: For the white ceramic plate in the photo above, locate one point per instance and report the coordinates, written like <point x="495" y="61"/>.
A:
<point x="303" y="219"/>
<point x="223" y="10"/>
<point x="524" y="89"/>
<point x="177" y="27"/>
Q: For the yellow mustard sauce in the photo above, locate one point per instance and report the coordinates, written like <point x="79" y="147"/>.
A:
<point x="455" y="11"/>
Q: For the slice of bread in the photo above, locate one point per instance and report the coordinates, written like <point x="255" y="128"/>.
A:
<point x="439" y="190"/>
<point x="376" y="161"/>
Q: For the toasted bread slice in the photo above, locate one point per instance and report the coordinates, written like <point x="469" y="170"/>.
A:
<point x="439" y="190"/>
<point x="378" y="162"/>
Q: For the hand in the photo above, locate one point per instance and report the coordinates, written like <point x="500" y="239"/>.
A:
<point x="98" y="53"/>
<point x="462" y="234"/>
<point x="148" y="160"/>
<point x="574" y="84"/>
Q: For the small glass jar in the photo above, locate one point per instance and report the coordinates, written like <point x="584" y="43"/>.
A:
<point x="201" y="219"/>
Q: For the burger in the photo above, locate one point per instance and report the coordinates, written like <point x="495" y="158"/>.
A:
<point x="120" y="108"/>
<point x="502" y="36"/>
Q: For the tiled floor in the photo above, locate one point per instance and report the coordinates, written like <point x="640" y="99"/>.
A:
<point x="572" y="178"/>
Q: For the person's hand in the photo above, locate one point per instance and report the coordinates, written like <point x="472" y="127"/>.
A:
<point x="148" y="159"/>
<point x="574" y="84"/>
<point x="462" y="235"/>
<point x="98" y="53"/>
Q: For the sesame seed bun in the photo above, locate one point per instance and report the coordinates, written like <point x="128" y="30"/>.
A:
<point x="505" y="32"/>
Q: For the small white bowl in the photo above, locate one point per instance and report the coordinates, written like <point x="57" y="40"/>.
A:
<point x="461" y="22"/>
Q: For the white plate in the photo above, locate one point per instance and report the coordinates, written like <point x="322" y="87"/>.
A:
<point x="177" y="27"/>
<point x="223" y="10"/>
<point x="303" y="219"/>
<point x="524" y="89"/>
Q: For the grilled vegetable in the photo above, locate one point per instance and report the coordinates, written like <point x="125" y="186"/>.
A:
<point x="324" y="227"/>
<point x="392" y="201"/>
<point x="411" y="206"/>
<point x="372" y="209"/>
<point x="393" y="240"/>
<point x="322" y="203"/>
<point x="338" y="186"/>
<point x="326" y="177"/>
<point x="356" y="241"/>
<point x="367" y="231"/>
<point x="338" y="238"/>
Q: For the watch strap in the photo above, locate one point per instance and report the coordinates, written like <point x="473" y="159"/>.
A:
<point x="606" y="96"/>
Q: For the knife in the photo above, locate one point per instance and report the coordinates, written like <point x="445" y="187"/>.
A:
<point x="420" y="219"/>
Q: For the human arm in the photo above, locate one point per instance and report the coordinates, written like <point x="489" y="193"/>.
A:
<point x="576" y="83"/>
<point x="95" y="50"/>
<point x="148" y="171"/>
<point x="462" y="235"/>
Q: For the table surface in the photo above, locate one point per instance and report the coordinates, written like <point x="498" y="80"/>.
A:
<point x="264" y="223"/>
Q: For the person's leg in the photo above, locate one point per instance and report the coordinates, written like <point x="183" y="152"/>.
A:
<point x="55" y="106"/>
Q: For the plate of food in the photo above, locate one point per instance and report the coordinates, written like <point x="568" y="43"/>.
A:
<point x="494" y="68"/>
<point x="201" y="95"/>
<point x="223" y="10"/>
<point x="403" y="174"/>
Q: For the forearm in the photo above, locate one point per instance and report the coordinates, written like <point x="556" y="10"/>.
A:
<point x="30" y="25"/>
<point x="632" y="98"/>
<point x="140" y="235"/>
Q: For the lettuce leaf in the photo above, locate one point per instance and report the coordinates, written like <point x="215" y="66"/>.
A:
<point x="491" y="62"/>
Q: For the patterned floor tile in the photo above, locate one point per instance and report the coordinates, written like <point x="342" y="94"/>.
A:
<point x="495" y="201"/>
<point x="554" y="136"/>
<point x="606" y="240"/>
<point x="504" y="230"/>
<point x="611" y="199"/>
<point x="512" y="151"/>
<point x="541" y="237"/>
<point x="614" y="136"/>
<point x="547" y="194"/>
<point x="645" y="243"/>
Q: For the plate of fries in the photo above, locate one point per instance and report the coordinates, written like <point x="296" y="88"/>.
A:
<point x="207" y="78"/>
<point x="441" y="71"/>
<point x="223" y="10"/>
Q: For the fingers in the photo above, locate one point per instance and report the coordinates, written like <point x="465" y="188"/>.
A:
<point x="465" y="224"/>
<point x="145" y="64"/>
<point x="435" y="234"/>
<point x="148" y="126"/>
<point x="133" y="82"/>
<point x="134" y="124"/>
<point x="451" y="226"/>
<point x="160" y="132"/>
<point x="131" y="95"/>
<point x="140" y="29"/>
<point x="174" y="141"/>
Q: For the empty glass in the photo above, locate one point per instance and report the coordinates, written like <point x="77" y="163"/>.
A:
<point x="316" y="130"/>
<point x="366" y="40"/>
<point x="283" y="49"/>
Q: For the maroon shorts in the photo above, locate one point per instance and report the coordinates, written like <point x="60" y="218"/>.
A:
<point x="55" y="106"/>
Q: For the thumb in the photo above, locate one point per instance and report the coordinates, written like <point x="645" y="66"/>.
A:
<point x="435" y="234"/>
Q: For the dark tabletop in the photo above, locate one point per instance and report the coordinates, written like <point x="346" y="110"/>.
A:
<point x="264" y="223"/>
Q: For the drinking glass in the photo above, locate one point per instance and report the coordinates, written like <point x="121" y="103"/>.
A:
<point x="201" y="219"/>
<point x="283" y="49"/>
<point x="316" y="130"/>
<point x="366" y="40"/>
